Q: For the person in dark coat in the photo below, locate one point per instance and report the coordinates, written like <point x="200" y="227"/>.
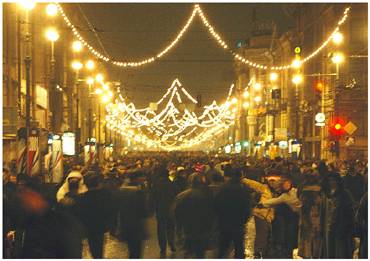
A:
<point x="46" y="232"/>
<point x="193" y="210"/>
<point x="96" y="212"/>
<point x="354" y="183"/>
<point x="132" y="214"/>
<point x="233" y="208"/>
<point x="362" y="220"/>
<point x="310" y="236"/>
<point x="337" y="219"/>
<point x="164" y="193"/>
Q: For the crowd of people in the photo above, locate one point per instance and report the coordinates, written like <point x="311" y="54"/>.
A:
<point x="202" y="204"/>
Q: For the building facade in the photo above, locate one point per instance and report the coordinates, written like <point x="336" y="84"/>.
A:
<point x="338" y="91"/>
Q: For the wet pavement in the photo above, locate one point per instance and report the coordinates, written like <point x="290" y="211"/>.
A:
<point x="116" y="249"/>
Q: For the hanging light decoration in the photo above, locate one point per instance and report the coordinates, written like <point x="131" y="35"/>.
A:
<point x="198" y="11"/>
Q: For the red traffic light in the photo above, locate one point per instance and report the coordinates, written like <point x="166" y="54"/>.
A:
<point x="336" y="129"/>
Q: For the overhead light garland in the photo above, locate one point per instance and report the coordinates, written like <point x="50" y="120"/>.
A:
<point x="198" y="11"/>
<point x="172" y="127"/>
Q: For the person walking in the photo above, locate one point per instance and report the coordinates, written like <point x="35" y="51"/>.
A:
<point x="193" y="210"/>
<point x="338" y="219"/>
<point x="233" y="208"/>
<point x="310" y="236"/>
<point x="96" y="210"/>
<point x="164" y="193"/>
<point x="133" y="213"/>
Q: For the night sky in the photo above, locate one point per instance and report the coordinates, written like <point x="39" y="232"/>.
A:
<point x="136" y="31"/>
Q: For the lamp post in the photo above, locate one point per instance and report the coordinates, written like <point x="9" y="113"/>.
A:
<point x="90" y="82"/>
<point x="337" y="59"/>
<point x="297" y="79"/>
<point x="273" y="78"/>
<point x="52" y="35"/>
<point x="28" y="6"/>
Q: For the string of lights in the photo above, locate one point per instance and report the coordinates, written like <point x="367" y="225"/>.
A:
<point x="198" y="11"/>
<point x="170" y="128"/>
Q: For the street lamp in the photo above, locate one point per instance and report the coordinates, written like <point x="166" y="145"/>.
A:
<point x="76" y="65"/>
<point x="52" y="35"/>
<point x="257" y="86"/>
<point x="77" y="46"/>
<point x="257" y="99"/>
<point x="337" y="38"/>
<point x="51" y="10"/>
<point x="273" y="76"/>
<point x="28" y="5"/>
<point x="296" y="63"/>
<point x="105" y="86"/>
<point x="98" y="91"/>
<point x="246" y="105"/>
<point x="99" y="77"/>
<point x="90" y="81"/>
<point x="90" y="65"/>
<point x="297" y="79"/>
<point x="337" y="58"/>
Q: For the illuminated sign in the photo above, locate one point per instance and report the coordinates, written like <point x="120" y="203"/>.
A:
<point x="238" y="147"/>
<point x="283" y="144"/>
<point x="69" y="143"/>
<point x="320" y="119"/>
<point x="227" y="149"/>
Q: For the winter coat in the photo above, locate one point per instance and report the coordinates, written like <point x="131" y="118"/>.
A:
<point x="337" y="225"/>
<point x="310" y="236"/>
<point x="355" y="185"/>
<point x="264" y="213"/>
<point x="54" y="235"/>
<point x="233" y="206"/>
<point x="97" y="210"/>
<point x="290" y="198"/>
<point x="163" y="192"/>
<point x="64" y="189"/>
<point x="194" y="211"/>
<point x="362" y="223"/>
<point x="132" y="213"/>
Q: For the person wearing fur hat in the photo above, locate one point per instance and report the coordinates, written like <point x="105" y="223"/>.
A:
<point x="74" y="181"/>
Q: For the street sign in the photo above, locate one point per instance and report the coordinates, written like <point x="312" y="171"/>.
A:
<point x="320" y="119"/>
<point x="350" y="128"/>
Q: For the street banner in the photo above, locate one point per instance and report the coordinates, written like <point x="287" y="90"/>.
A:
<point x="21" y="151"/>
<point x="33" y="153"/>
<point x="89" y="154"/>
<point x="48" y="167"/>
<point x="57" y="161"/>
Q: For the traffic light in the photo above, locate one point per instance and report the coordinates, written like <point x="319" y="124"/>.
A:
<point x="318" y="88"/>
<point x="336" y="129"/>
